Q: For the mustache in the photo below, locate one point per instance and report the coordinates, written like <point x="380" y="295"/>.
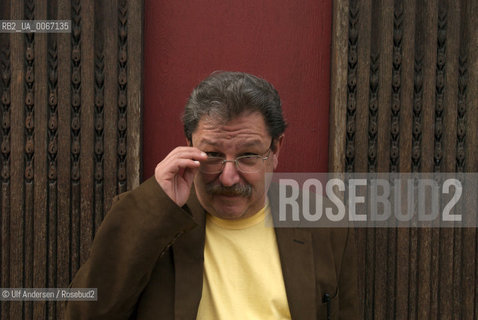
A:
<point x="242" y="190"/>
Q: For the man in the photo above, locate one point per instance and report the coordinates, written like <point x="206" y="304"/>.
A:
<point x="193" y="243"/>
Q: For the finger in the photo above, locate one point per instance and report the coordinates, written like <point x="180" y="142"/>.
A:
<point x="181" y="160"/>
<point x="186" y="153"/>
<point x="179" y="165"/>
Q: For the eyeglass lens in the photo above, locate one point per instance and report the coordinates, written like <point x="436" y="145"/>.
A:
<point x="245" y="164"/>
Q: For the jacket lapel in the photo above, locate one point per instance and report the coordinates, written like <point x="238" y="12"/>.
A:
<point x="188" y="253"/>
<point x="297" y="260"/>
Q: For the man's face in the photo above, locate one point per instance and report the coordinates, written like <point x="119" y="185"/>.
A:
<point x="244" y="135"/>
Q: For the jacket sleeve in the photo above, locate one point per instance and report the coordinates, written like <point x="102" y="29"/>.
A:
<point x="348" y="286"/>
<point x="139" y="227"/>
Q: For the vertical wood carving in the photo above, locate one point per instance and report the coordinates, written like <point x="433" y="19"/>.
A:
<point x="351" y="87"/>
<point x="461" y="120"/>
<point x="52" y="152"/>
<point x="396" y="86"/>
<point x="99" y="117"/>
<point x="417" y="114"/>
<point x="122" y="93"/>
<point x="440" y="88"/>
<point x="29" y="132"/>
<point x="373" y="113"/>
<point x="5" y="163"/>
<point x="75" y="133"/>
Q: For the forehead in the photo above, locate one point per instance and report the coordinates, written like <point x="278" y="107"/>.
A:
<point x="246" y="129"/>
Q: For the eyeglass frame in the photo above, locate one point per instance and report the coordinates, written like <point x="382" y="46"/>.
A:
<point x="235" y="160"/>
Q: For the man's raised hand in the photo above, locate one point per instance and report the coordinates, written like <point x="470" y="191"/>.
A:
<point x="175" y="174"/>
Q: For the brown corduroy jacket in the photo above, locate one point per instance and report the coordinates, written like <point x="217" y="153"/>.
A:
<point x="147" y="263"/>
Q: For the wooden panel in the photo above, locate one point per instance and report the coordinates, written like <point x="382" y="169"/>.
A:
<point x="410" y="105"/>
<point x="64" y="99"/>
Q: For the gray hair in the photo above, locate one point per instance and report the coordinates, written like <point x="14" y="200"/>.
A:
<point x="226" y="95"/>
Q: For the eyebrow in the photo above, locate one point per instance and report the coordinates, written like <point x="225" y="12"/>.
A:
<point x="251" y="143"/>
<point x="208" y="142"/>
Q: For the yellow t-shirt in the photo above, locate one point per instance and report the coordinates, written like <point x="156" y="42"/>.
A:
<point x="242" y="271"/>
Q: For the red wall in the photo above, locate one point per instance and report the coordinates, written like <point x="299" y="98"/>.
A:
<point x="287" y="42"/>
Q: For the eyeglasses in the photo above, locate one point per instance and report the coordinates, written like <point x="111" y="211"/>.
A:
<point x="246" y="163"/>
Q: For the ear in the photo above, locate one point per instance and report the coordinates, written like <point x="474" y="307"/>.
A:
<point x="275" y="154"/>
<point x="188" y="142"/>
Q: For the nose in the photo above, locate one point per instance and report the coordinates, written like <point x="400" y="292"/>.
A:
<point x="229" y="175"/>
